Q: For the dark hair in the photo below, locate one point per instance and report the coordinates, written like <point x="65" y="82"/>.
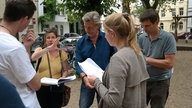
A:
<point x="149" y="14"/>
<point x="16" y="9"/>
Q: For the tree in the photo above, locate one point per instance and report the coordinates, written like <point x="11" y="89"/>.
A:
<point x="75" y="9"/>
<point x="126" y="5"/>
<point x="147" y="4"/>
<point x="154" y="4"/>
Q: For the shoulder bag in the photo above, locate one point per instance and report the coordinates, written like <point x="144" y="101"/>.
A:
<point x="63" y="89"/>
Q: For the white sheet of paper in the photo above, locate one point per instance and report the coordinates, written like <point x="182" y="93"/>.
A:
<point x="91" y="68"/>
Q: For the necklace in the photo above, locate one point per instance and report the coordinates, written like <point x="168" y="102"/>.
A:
<point x="6" y="28"/>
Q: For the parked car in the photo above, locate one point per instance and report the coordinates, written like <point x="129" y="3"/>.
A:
<point x="38" y="41"/>
<point x="67" y="35"/>
<point x="70" y="39"/>
<point x="70" y="35"/>
<point x="184" y="35"/>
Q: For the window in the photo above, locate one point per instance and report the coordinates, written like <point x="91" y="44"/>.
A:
<point x="174" y="1"/>
<point x="181" y="11"/>
<point x="44" y="8"/>
<point x="46" y="25"/>
<point x="61" y="29"/>
<point x="161" y="25"/>
<point x="191" y="20"/>
<point x="173" y="26"/>
<point x="162" y="13"/>
<point x="180" y="25"/>
<point x="173" y="12"/>
<point x="56" y="28"/>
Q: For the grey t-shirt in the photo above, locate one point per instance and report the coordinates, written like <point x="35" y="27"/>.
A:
<point x="164" y="44"/>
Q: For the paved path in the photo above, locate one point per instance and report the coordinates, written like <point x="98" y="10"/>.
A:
<point x="180" y="90"/>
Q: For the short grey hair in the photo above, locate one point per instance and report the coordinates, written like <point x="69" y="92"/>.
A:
<point x="93" y="15"/>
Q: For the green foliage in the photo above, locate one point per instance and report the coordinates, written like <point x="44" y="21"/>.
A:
<point x="126" y="5"/>
<point x="51" y="11"/>
<point x="75" y="9"/>
<point x="153" y="3"/>
<point x="166" y="5"/>
<point x="138" y="11"/>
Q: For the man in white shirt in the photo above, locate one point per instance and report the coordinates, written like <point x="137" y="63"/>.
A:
<point x="15" y="63"/>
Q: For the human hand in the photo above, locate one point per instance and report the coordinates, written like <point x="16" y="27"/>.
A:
<point x="91" y="79"/>
<point x="147" y="59"/>
<point x="87" y="83"/>
<point x="54" y="45"/>
<point x="29" y="38"/>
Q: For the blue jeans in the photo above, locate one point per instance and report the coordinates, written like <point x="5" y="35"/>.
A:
<point x="157" y="93"/>
<point x="87" y="96"/>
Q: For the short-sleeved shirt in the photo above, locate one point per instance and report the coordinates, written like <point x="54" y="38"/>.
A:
<point x="15" y="66"/>
<point x="99" y="53"/>
<point x="55" y="64"/>
<point x="164" y="44"/>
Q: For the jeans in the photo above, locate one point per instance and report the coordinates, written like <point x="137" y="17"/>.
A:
<point x="87" y="96"/>
<point x="157" y="93"/>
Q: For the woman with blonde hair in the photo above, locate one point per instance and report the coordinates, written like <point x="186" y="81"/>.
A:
<point x="124" y="81"/>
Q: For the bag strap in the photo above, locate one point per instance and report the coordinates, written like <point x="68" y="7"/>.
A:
<point x="38" y="63"/>
<point x="50" y="73"/>
<point x="61" y="63"/>
<point x="50" y="65"/>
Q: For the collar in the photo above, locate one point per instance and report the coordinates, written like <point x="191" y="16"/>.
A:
<point x="88" y="38"/>
<point x="159" y="35"/>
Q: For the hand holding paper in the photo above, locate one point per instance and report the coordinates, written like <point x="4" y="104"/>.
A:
<point x="91" y="68"/>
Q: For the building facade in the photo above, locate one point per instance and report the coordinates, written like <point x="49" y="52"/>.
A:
<point x="60" y="20"/>
<point x="174" y="8"/>
<point x="33" y="24"/>
<point x="189" y="13"/>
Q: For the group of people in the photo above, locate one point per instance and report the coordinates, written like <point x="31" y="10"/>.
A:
<point x="136" y="71"/>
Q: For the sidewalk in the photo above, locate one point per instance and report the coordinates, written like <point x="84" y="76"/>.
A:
<point x="181" y="42"/>
<point x="180" y="95"/>
<point x="182" y="46"/>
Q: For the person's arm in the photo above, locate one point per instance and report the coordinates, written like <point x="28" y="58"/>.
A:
<point x="162" y="63"/>
<point x="169" y="55"/>
<point x="79" y="71"/>
<point x="23" y="71"/>
<point x="28" y="39"/>
<point x="39" y="53"/>
<point x="65" y="68"/>
<point x="34" y="83"/>
<point x="117" y="75"/>
<point x="86" y="80"/>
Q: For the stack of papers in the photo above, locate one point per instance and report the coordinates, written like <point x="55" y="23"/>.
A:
<point x="91" y="68"/>
<point x="53" y="81"/>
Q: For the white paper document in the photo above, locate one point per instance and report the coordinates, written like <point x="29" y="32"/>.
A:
<point x="53" y="81"/>
<point x="91" y="68"/>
